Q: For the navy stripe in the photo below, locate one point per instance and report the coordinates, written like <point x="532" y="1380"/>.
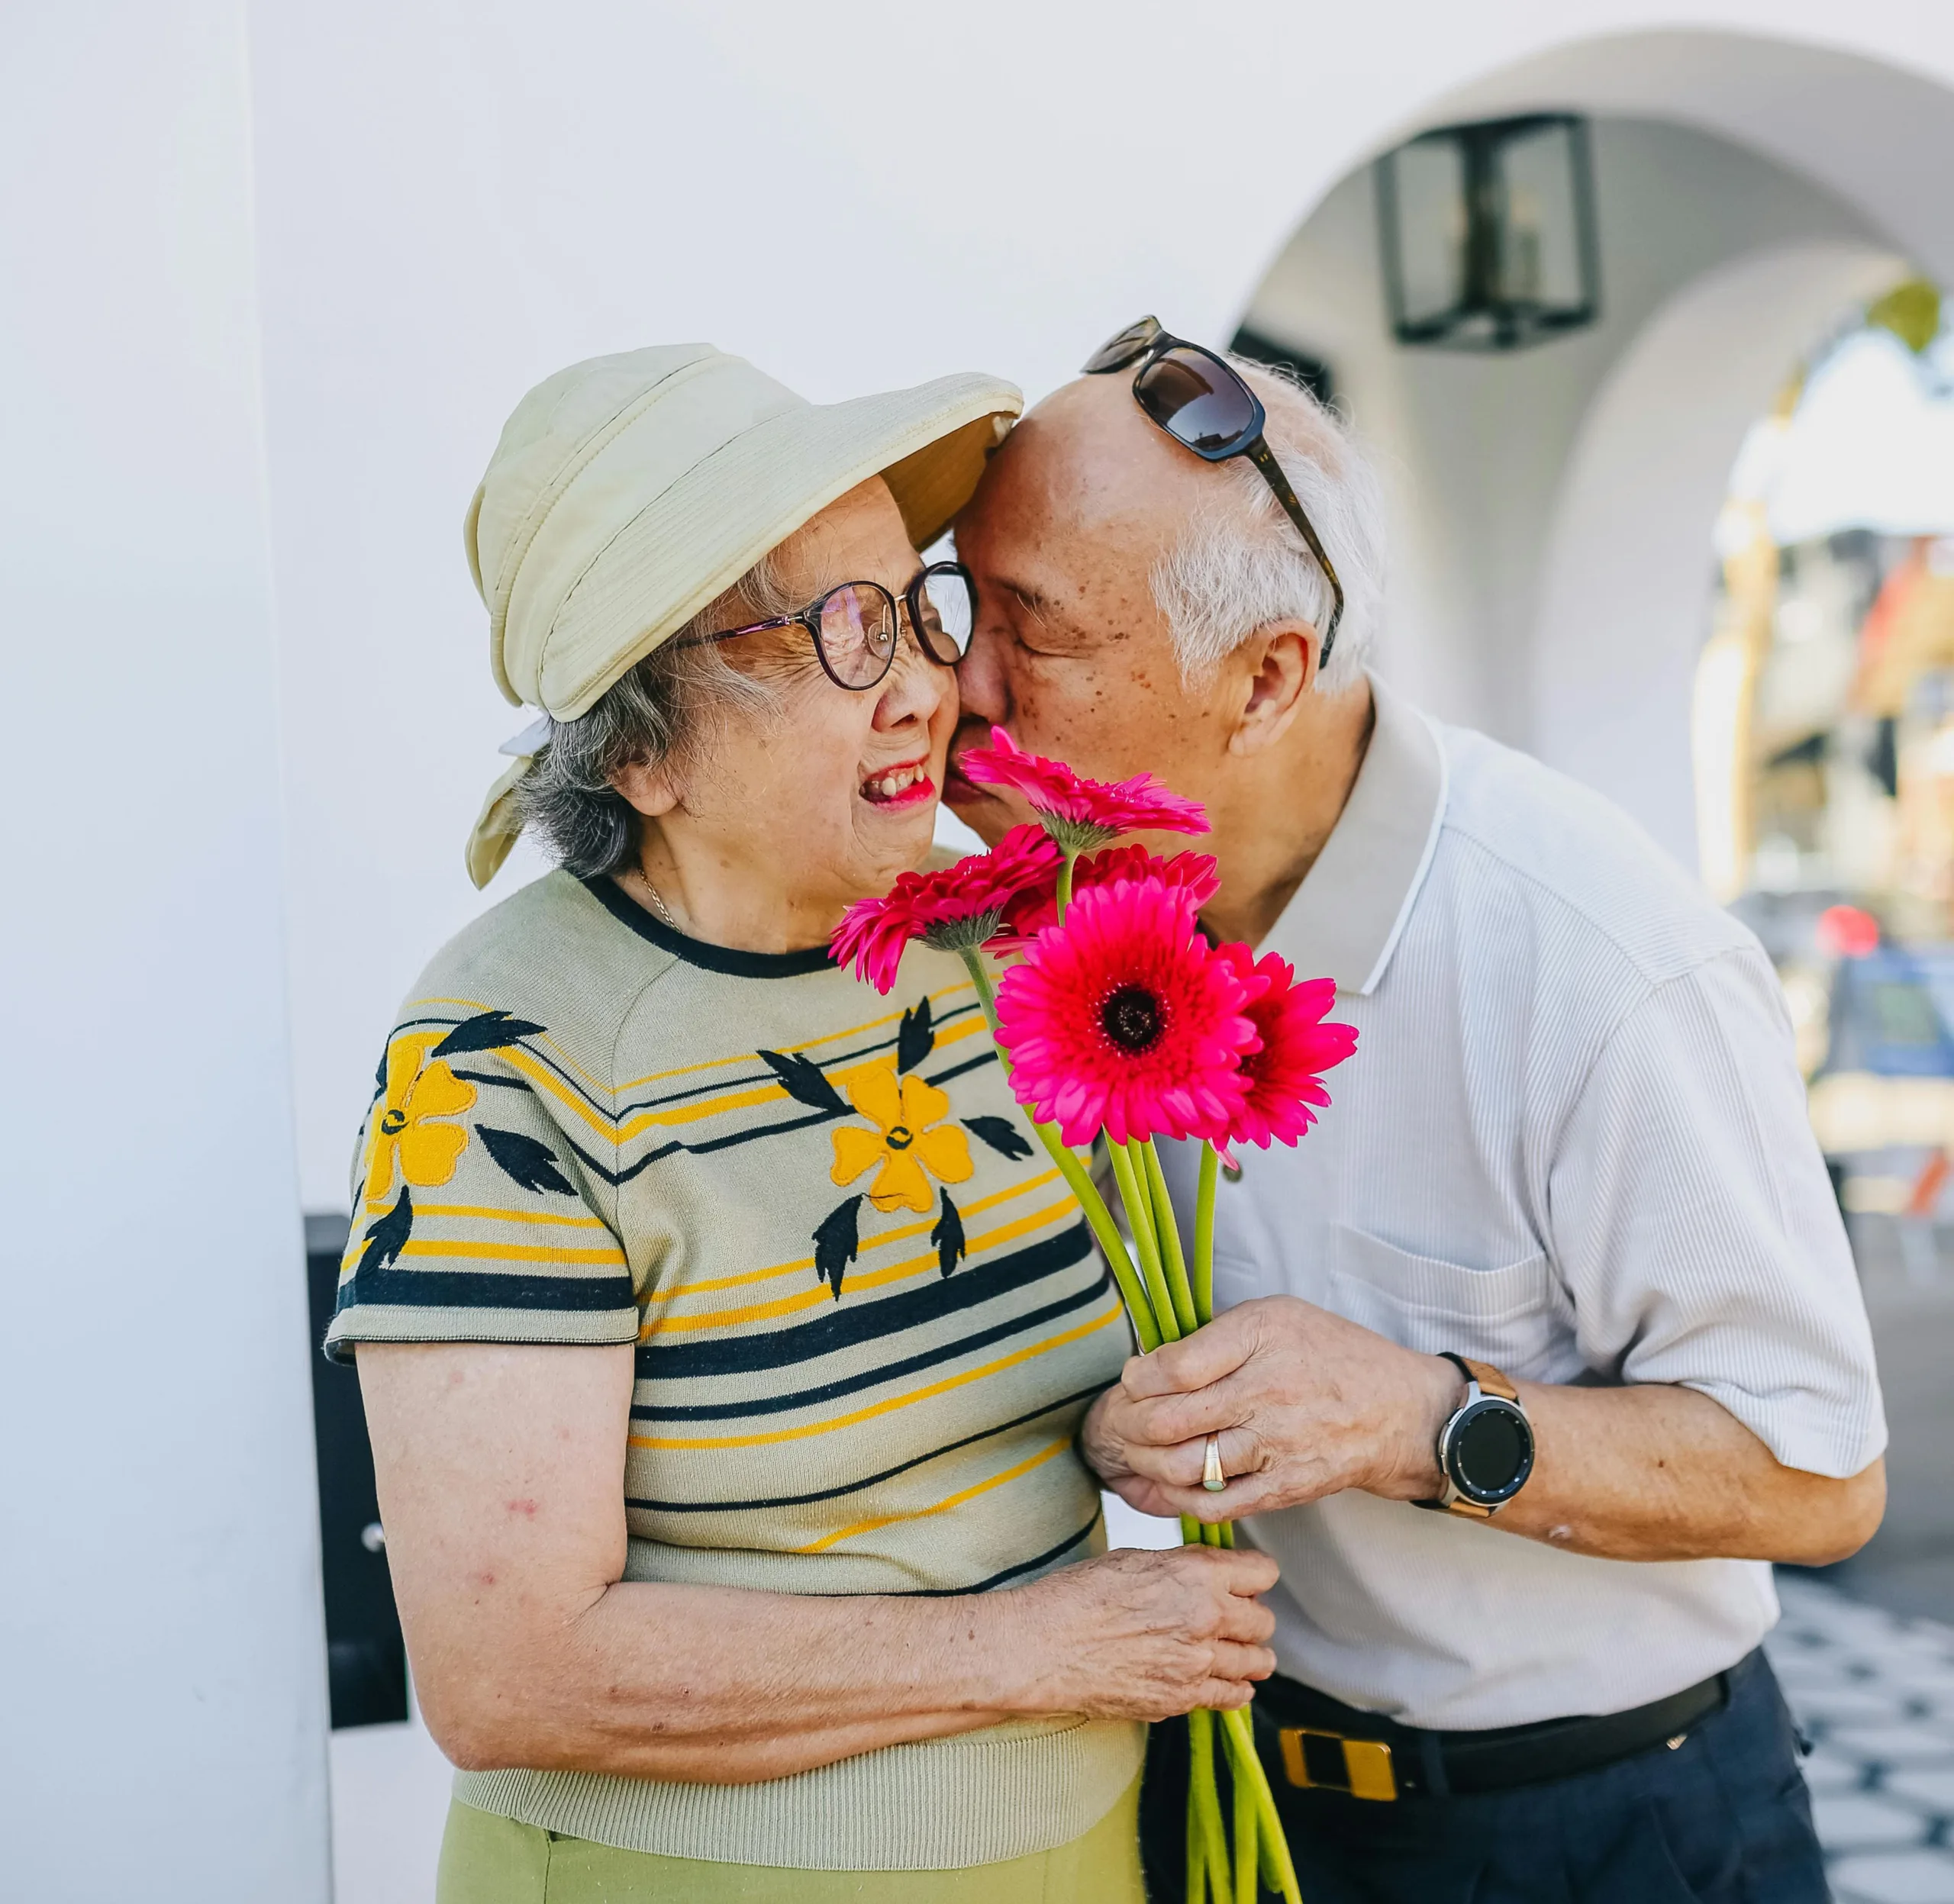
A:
<point x="468" y="1289"/>
<point x="1009" y="1573"/>
<point x="867" y="1480"/>
<point x="884" y="1373"/>
<point x="851" y="1324"/>
<point x="698" y="952"/>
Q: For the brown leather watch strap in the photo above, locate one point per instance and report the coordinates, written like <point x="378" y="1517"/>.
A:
<point x="1491" y="1381"/>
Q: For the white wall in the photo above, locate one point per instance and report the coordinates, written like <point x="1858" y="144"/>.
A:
<point x="161" y="1723"/>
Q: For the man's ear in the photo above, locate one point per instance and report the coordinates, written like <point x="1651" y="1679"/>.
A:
<point x="649" y="790"/>
<point x="1276" y="668"/>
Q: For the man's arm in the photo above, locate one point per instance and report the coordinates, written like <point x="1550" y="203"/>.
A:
<point x="1308" y="1404"/>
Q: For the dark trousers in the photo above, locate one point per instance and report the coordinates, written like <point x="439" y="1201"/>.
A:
<point x="1724" y="1818"/>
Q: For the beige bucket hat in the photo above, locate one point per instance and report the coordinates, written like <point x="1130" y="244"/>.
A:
<point x="628" y="491"/>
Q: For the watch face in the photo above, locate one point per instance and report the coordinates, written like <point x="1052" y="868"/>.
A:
<point x="1490" y="1452"/>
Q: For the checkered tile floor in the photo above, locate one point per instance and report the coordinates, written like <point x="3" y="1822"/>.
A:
<point x="1876" y="1693"/>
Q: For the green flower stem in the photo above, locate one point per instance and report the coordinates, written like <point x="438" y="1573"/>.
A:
<point x="1196" y="1865"/>
<point x="1238" y="1730"/>
<point x="1246" y="1861"/>
<point x="1104" y="1230"/>
<point x="1208" y="1801"/>
<point x="1139" y="1204"/>
<point x="1203" y="1266"/>
<point x="1065" y="882"/>
<point x="1133" y="1292"/>
<point x="1167" y="1235"/>
<point x="1139" y="1215"/>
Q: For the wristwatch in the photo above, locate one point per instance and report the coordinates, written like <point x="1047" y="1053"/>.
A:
<point x="1485" y="1449"/>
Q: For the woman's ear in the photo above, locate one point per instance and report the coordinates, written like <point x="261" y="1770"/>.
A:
<point x="1277" y="667"/>
<point x="647" y="790"/>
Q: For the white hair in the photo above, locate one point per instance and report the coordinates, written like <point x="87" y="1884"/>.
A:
<point x="1241" y="563"/>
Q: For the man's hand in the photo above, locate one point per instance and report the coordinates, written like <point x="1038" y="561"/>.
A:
<point x="1306" y="1404"/>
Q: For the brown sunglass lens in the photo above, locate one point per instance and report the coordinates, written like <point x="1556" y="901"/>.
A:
<point x="1122" y="348"/>
<point x="1196" y="400"/>
<point x="858" y="634"/>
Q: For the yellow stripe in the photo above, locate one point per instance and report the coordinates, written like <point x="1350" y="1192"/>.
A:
<point x="830" y="1038"/>
<point x="876" y="1279"/>
<point x="942" y="1506"/>
<point x="943" y="1387"/>
<point x="907" y="1230"/>
<point x="760" y="1094"/>
<point x="515" y="1252"/>
<point x="509" y="1215"/>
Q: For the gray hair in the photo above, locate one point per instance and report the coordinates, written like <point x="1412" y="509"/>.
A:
<point x="1241" y="564"/>
<point x="658" y="713"/>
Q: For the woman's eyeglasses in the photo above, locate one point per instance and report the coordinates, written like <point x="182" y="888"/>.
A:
<point x="1201" y="402"/>
<point x="856" y="626"/>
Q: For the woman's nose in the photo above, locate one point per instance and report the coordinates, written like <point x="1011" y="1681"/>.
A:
<point x="914" y="689"/>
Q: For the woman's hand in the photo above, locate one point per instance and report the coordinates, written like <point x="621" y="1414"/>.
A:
<point x="1136" y="1635"/>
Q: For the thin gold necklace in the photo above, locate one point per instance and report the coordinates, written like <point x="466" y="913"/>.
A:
<point x="658" y="904"/>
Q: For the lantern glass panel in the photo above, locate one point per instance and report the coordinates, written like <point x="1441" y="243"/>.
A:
<point x="1429" y="179"/>
<point x="1540" y="263"/>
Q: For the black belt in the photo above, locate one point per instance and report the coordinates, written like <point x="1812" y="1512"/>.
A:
<point x="1312" y="1742"/>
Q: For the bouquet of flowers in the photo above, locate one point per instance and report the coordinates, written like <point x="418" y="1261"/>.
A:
<point x="1119" y="1020"/>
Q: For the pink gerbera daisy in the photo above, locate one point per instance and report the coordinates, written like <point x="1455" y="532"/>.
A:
<point x="1080" y="814"/>
<point x="1282" y="1075"/>
<point x="1026" y="915"/>
<point x="953" y="908"/>
<point x="1123" y="1017"/>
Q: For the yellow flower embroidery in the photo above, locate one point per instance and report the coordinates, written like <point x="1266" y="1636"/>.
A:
<point x="425" y="1154"/>
<point x="904" y="1144"/>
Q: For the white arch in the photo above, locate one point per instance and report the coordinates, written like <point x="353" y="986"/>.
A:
<point x="1623" y="593"/>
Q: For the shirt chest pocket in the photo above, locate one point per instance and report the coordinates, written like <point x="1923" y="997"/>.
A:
<point x="1517" y="1317"/>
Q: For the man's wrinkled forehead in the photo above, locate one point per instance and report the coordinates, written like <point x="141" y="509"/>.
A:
<point x="1084" y="481"/>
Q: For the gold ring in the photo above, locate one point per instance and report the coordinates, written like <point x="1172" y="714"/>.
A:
<point x="1212" y="1476"/>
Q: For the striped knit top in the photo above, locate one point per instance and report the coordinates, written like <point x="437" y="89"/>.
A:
<point x="867" y="1316"/>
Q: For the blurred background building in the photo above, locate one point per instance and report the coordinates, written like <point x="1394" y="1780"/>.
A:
<point x="1638" y="307"/>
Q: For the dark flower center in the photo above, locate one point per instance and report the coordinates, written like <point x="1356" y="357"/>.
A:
<point x="393" y="1123"/>
<point x="1131" y="1018"/>
<point x="900" y="1139"/>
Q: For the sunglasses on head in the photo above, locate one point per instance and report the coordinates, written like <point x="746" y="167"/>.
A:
<point x="855" y="627"/>
<point x="1202" y="402"/>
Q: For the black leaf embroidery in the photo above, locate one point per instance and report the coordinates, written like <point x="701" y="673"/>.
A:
<point x="387" y="1237"/>
<point x="532" y="1164"/>
<point x="916" y="1038"/>
<point x="948" y="1236"/>
<point x="1001" y="1134"/>
<point x="804" y="1081"/>
<point x="489" y="1032"/>
<point x="837" y="1243"/>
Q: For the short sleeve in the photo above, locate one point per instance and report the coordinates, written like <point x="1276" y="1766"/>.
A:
<point x="1695" y="1227"/>
<point x="477" y="1217"/>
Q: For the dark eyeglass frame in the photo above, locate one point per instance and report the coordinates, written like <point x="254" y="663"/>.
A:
<point x="1142" y="344"/>
<point x="810" y="618"/>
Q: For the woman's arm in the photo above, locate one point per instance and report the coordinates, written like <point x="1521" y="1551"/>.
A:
<point x="501" y="1474"/>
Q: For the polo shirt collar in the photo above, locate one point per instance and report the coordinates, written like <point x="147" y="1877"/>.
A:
<point x="1345" y="918"/>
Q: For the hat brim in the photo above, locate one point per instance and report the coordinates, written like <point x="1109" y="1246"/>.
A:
<point x="691" y="544"/>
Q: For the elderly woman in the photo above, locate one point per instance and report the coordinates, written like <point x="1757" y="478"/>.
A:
<point x="723" y="1337"/>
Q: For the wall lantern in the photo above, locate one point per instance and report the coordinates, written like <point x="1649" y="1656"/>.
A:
<point x="1488" y="233"/>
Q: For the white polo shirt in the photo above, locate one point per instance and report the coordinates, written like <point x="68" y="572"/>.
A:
<point x="1572" y="1143"/>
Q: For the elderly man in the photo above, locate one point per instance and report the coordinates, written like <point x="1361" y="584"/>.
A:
<point x="1546" y="1341"/>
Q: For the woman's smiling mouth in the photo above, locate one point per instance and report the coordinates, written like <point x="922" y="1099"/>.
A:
<point x="906" y="784"/>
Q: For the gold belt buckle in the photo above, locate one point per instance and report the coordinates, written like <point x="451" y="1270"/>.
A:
<point x="1367" y="1769"/>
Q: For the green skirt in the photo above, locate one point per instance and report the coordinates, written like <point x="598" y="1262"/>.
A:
<point x="489" y="1860"/>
